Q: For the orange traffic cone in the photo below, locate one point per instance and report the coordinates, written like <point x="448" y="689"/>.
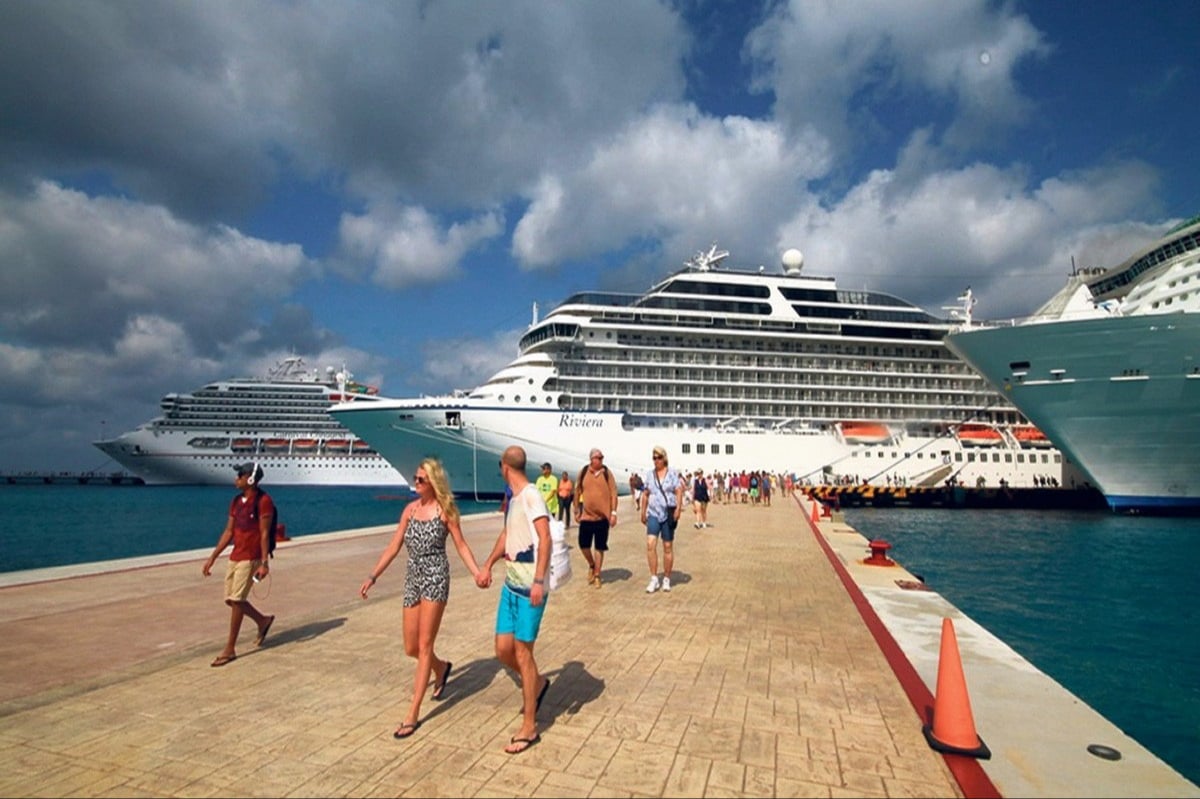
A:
<point x="953" y="728"/>
<point x="816" y="514"/>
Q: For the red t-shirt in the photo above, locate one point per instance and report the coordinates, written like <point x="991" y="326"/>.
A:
<point x="247" y="536"/>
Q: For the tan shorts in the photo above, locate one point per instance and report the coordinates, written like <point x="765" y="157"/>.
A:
<point x="237" y="579"/>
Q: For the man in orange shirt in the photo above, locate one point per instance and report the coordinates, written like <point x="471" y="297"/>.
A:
<point x="596" y="512"/>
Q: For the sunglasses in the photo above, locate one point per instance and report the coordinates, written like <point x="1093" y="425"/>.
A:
<point x="419" y="480"/>
<point x="657" y="457"/>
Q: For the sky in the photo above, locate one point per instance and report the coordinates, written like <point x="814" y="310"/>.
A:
<point x="191" y="191"/>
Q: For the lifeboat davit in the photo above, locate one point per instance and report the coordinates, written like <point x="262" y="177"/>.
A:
<point x="1029" y="436"/>
<point x="978" y="435"/>
<point x="866" y="433"/>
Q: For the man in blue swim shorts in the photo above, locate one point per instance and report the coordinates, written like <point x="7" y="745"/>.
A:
<point x="523" y="597"/>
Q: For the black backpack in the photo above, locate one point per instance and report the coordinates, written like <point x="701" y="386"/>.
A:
<point x="274" y="521"/>
<point x="579" y="483"/>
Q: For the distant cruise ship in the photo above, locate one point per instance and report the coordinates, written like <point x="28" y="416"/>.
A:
<point x="281" y="421"/>
<point x="1110" y="370"/>
<point x="729" y="370"/>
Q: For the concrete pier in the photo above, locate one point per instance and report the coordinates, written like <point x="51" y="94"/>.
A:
<point x="767" y="671"/>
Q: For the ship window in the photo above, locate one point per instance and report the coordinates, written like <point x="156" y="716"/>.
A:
<point x="686" y="449"/>
<point x="501" y="398"/>
<point x="699" y="449"/>
<point x="715" y="448"/>
<point x="517" y="398"/>
<point x="729" y="449"/>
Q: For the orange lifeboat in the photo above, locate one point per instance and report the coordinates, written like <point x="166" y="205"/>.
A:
<point x="362" y="447"/>
<point x="243" y="445"/>
<point x="1029" y="436"/>
<point x="304" y="445"/>
<point x="337" y="445"/>
<point x="978" y="435"/>
<point x="866" y="433"/>
<point x="275" y="444"/>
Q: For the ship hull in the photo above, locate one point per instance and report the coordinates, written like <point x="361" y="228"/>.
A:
<point x="1120" y="396"/>
<point x="469" y="437"/>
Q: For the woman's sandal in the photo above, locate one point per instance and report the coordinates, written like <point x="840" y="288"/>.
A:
<point x="440" y="689"/>
<point x="406" y="729"/>
<point x="522" y="744"/>
<point x="223" y="659"/>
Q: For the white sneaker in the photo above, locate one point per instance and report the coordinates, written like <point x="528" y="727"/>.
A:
<point x="653" y="586"/>
<point x="666" y="584"/>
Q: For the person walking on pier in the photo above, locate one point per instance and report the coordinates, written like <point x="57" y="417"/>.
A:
<point x="566" y="498"/>
<point x="662" y="502"/>
<point x="596" y="512"/>
<point x="248" y="528"/>
<point x="700" y="499"/>
<point x="423" y="527"/>
<point x="524" y="544"/>
<point x="547" y="486"/>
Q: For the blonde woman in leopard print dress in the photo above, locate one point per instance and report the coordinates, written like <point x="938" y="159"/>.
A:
<point x="423" y="528"/>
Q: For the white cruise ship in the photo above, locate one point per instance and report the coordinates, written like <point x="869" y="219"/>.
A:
<point x="729" y="370"/>
<point x="281" y="421"/>
<point x="1109" y="369"/>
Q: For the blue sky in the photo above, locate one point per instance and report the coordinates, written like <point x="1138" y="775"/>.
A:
<point x="190" y="191"/>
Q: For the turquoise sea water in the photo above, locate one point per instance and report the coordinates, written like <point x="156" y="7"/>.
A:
<point x="1099" y="602"/>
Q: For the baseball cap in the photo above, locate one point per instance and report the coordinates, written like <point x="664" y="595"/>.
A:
<point x="545" y="466"/>
<point x="250" y="468"/>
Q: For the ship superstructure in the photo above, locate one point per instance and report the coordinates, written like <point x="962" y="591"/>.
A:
<point x="730" y="370"/>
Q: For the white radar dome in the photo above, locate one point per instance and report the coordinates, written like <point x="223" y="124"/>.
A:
<point x="793" y="261"/>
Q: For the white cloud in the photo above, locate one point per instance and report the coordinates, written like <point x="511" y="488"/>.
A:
<point x="831" y="65"/>
<point x="674" y="175"/>
<point x="80" y="268"/>
<point x="977" y="226"/>
<point x="464" y="362"/>
<point x="402" y="246"/>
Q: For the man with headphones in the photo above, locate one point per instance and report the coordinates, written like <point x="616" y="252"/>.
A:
<point x="249" y="529"/>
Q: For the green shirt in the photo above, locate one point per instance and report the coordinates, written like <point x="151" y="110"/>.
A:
<point x="547" y="486"/>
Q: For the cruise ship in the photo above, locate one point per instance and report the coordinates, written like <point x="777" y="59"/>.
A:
<point x="281" y="421"/>
<point x="729" y="370"/>
<point x="1109" y="369"/>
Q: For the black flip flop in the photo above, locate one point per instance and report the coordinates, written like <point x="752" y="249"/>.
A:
<point x="440" y="689"/>
<point x="529" y="744"/>
<point x="406" y="729"/>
